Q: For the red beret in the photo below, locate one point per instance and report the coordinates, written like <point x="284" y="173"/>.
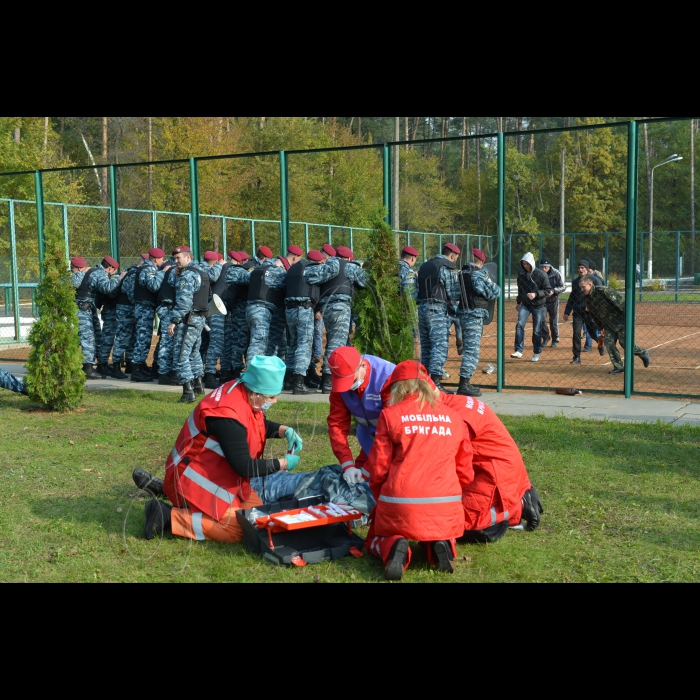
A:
<point x="111" y="262"/>
<point x="221" y="257"/>
<point x="315" y="256"/>
<point x="185" y="249"/>
<point x="211" y="255"/>
<point x="344" y="252"/>
<point x="238" y="257"/>
<point x="328" y="249"/>
<point x="156" y="253"/>
<point x="145" y="256"/>
<point x="411" y="251"/>
<point x="285" y="262"/>
<point x="452" y="248"/>
<point x="295" y="250"/>
<point x="181" y="249"/>
<point x="344" y="362"/>
<point x="265" y="251"/>
<point x="409" y="370"/>
<point x="479" y="254"/>
<point x="79" y="262"/>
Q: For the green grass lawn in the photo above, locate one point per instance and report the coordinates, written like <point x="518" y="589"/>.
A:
<point x="622" y="502"/>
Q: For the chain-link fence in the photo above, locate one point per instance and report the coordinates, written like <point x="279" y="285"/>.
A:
<point x="506" y="194"/>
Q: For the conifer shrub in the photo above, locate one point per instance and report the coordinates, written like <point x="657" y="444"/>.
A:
<point x="387" y="317"/>
<point x="55" y="375"/>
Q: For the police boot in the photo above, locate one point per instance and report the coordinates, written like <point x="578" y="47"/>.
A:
<point x="198" y="386"/>
<point x="146" y="373"/>
<point x="188" y="395"/>
<point x="438" y="383"/>
<point x="299" y="388"/>
<point x="154" y="369"/>
<point x="288" y="381"/>
<point x="103" y="370"/>
<point x="138" y="375"/>
<point x="466" y="389"/>
<point x="148" y="482"/>
<point x="174" y="379"/>
<point x="393" y="571"/>
<point x="211" y="382"/>
<point x="327" y="384"/>
<point x="129" y="367"/>
<point x="166" y="380"/>
<point x="313" y="381"/>
<point x="117" y="372"/>
<point x="90" y="371"/>
<point x="157" y="519"/>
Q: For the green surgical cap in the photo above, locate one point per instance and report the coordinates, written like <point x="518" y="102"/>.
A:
<point x="265" y="375"/>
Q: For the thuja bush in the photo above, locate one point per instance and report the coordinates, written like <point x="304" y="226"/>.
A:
<point x="387" y="318"/>
<point x="55" y="375"/>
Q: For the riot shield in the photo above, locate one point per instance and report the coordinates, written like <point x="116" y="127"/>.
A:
<point x="492" y="269"/>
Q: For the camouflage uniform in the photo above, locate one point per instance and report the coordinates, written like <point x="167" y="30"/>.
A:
<point x="434" y="324"/>
<point x="318" y="339"/>
<point x="151" y="278"/>
<point x="336" y="308"/>
<point x="7" y="381"/>
<point x="166" y="343"/>
<point x="89" y="327"/>
<point x="109" y="334"/>
<point x="126" y="321"/>
<point x="217" y="328"/>
<point x="408" y="280"/>
<point x="188" y="336"/>
<point x="237" y="332"/>
<point x="267" y="322"/>
<point x="607" y="309"/>
<point x="472" y="321"/>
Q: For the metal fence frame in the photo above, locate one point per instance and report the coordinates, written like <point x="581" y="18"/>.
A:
<point x="500" y="138"/>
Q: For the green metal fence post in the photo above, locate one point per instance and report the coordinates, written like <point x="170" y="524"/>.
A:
<point x="425" y="248"/>
<point x="386" y="162"/>
<point x="65" y="232"/>
<point x="284" y="198"/>
<point x="252" y="238"/>
<point x="113" y="213"/>
<point x="574" y="267"/>
<point x="607" y="259"/>
<point x="501" y="259"/>
<point x="15" y="274"/>
<point x="678" y="262"/>
<point x="632" y="184"/>
<point x="224" y="238"/>
<point x="541" y="249"/>
<point x="154" y="230"/>
<point x="195" y="243"/>
<point x="641" y="266"/>
<point x="40" y="221"/>
<point x="306" y="237"/>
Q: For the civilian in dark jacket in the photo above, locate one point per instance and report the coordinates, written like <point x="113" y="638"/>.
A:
<point x="552" y="304"/>
<point x="533" y="290"/>
<point x="577" y="306"/>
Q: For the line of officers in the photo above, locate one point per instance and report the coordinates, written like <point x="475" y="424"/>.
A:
<point x="276" y="306"/>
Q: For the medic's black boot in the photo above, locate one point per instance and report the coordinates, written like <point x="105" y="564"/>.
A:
<point x="148" y="482"/>
<point x="393" y="571"/>
<point x="299" y="387"/>
<point x="532" y="509"/>
<point x="198" y="386"/>
<point x="466" y="389"/>
<point x="188" y="395"/>
<point x="327" y="384"/>
<point x="157" y="519"/>
<point x="443" y="555"/>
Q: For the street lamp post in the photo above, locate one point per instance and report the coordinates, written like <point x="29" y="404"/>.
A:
<point x="671" y="159"/>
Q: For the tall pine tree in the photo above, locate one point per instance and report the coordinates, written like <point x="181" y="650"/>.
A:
<point x="55" y="375"/>
<point x="387" y="317"/>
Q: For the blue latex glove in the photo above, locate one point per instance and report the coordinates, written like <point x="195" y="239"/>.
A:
<point x="292" y="462"/>
<point x="294" y="441"/>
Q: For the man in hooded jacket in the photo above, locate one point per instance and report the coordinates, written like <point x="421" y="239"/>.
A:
<point x="533" y="289"/>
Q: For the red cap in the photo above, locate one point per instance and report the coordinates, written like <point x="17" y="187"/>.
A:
<point x="344" y="252"/>
<point x="344" y="363"/>
<point x="79" y="262"/>
<point x="479" y="254"/>
<point x="315" y="256"/>
<point x="452" y="248"/>
<point x="145" y="256"/>
<point x="211" y="255"/>
<point x="156" y="253"/>
<point x="410" y="251"/>
<point x="111" y="262"/>
<point x="407" y="371"/>
<point x="264" y="250"/>
<point x="328" y="249"/>
<point x="295" y="250"/>
<point x="284" y="261"/>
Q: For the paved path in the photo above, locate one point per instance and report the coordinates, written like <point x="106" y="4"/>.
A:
<point x="640" y="410"/>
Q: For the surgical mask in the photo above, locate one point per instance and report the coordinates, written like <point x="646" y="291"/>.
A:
<point x="265" y="407"/>
<point x="356" y="385"/>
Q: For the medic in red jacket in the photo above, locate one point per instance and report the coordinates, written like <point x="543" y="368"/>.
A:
<point x="501" y="495"/>
<point x="419" y="467"/>
<point x="356" y="393"/>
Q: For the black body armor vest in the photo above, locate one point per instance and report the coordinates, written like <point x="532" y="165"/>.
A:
<point x="298" y="287"/>
<point x="340" y="285"/>
<point x="200" y="303"/>
<point x="259" y="291"/>
<point x="469" y="299"/>
<point x="166" y="293"/>
<point x="141" y="294"/>
<point x="123" y="298"/>
<point x="429" y="285"/>
<point x="83" y="293"/>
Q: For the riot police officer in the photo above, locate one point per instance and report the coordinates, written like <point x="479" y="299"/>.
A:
<point x="437" y="289"/>
<point x="477" y="292"/>
<point x="408" y="277"/>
